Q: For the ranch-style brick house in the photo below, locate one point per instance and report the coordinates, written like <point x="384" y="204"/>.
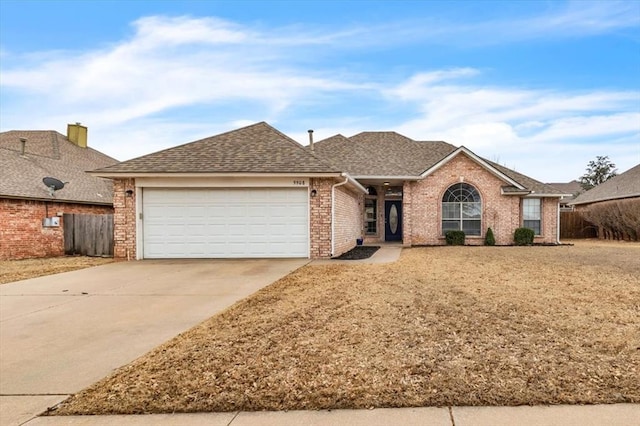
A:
<point x="31" y="217"/>
<point x="255" y="192"/>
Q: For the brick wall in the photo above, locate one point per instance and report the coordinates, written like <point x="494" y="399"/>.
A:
<point x="22" y="235"/>
<point x="124" y="219"/>
<point x="348" y="219"/>
<point x="549" y="221"/>
<point x="348" y="225"/>
<point x="320" y="218"/>
<point x="423" y="211"/>
<point x="407" y="216"/>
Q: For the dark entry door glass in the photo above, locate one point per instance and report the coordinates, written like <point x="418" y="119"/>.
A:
<point x="393" y="220"/>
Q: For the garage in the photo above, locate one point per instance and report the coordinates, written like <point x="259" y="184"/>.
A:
<point x="225" y="222"/>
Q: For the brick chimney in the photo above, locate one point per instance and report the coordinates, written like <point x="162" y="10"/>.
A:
<point x="77" y="134"/>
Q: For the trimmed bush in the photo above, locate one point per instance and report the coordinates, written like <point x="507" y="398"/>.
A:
<point x="454" y="238"/>
<point x="523" y="236"/>
<point x="489" y="239"/>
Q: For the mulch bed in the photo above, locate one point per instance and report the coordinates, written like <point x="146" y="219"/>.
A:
<point x="358" y="253"/>
<point x="443" y="326"/>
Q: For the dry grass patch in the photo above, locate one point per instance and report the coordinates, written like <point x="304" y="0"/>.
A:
<point x="442" y="326"/>
<point x="15" y="270"/>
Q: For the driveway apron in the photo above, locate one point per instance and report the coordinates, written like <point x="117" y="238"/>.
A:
<point x="61" y="333"/>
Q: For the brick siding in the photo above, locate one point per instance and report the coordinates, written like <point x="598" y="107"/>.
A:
<point x="549" y="225"/>
<point x="423" y="206"/>
<point x="22" y="235"/>
<point x="320" y="218"/>
<point x="349" y="219"/>
<point x="124" y="219"/>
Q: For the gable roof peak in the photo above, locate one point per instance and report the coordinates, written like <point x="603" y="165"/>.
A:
<point x="256" y="148"/>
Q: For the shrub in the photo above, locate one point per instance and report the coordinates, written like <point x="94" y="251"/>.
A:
<point x="618" y="220"/>
<point x="454" y="238"/>
<point x="523" y="236"/>
<point x="489" y="239"/>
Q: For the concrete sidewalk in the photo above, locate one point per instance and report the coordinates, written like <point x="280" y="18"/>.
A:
<point x="557" y="415"/>
<point x="387" y="253"/>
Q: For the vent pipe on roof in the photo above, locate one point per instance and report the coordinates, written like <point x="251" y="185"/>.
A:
<point x="310" y="139"/>
<point x="23" y="148"/>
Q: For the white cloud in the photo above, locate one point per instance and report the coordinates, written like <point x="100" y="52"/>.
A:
<point x="542" y="132"/>
<point x="177" y="79"/>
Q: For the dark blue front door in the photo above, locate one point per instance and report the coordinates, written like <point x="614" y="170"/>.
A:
<point x="393" y="220"/>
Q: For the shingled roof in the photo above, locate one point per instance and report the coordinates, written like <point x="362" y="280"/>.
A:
<point x="50" y="154"/>
<point x="258" y="148"/>
<point x="382" y="154"/>
<point x="573" y="188"/>
<point x="625" y="185"/>
<point x="389" y="154"/>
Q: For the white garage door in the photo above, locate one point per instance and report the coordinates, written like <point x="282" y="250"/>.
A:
<point x="223" y="223"/>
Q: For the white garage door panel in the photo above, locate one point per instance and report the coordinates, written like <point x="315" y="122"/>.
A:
<point x="207" y="223"/>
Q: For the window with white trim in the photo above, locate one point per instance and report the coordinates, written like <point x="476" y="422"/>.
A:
<point x="532" y="214"/>
<point x="462" y="209"/>
<point x="371" y="212"/>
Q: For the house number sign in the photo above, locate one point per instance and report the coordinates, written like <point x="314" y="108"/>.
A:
<point x="299" y="182"/>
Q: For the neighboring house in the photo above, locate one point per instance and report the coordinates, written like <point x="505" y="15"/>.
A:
<point x="614" y="205"/>
<point x="28" y="156"/>
<point x="574" y="188"/>
<point x="254" y="192"/>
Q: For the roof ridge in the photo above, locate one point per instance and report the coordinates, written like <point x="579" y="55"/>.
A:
<point x="298" y="145"/>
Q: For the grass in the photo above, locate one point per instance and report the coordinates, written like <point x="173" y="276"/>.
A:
<point x="15" y="270"/>
<point x="442" y="326"/>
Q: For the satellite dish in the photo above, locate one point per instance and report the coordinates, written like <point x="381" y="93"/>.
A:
<point x="53" y="184"/>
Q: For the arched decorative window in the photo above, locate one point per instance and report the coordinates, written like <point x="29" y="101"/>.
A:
<point x="462" y="209"/>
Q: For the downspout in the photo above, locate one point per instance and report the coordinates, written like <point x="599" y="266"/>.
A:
<point x="558" y="225"/>
<point x="333" y="212"/>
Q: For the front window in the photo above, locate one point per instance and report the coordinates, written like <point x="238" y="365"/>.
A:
<point x="531" y="214"/>
<point x="371" y="212"/>
<point x="462" y="209"/>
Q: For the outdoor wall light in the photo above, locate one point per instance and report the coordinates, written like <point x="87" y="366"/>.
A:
<point x="386" y="184"/>
<point x="314" y="192"/>
<point x="128" y="193"/>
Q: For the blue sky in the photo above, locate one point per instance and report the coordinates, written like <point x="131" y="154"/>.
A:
<point x="542" y="87"/>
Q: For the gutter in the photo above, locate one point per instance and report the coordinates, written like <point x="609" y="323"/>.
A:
<point x="373" y="177"/>
<point x="333" y="210"/>
<point x="123" y="175"/>
<point x="58" y="200"/>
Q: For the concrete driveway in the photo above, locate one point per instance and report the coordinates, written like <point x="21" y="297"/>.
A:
<point x="61" y="333"/>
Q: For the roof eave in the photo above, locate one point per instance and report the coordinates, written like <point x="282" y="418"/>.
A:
<point x="391" y="177"/>
<point x="354" y="183"/>
<point x="519" y="192"/>
<point x="121" y="175"/>
<point x="58" y="200"/>
<point x="534" y="194"/>
<point x="598" y="200"/>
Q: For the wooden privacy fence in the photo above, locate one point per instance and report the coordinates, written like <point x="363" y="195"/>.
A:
<point x="573" y="225"/>
<point x="88" y="234"/>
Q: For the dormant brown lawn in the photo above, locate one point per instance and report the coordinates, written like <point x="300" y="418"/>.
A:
<point x="15" y="270"/>
<point x="442" y="326"/>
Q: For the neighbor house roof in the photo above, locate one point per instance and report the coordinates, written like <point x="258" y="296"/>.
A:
<point x="258" y="148"/>
<point x="48" y="153"/>
<point x="572" y="187"/>
<point x="625" y="185"/>
<point x="389" y="155"/>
